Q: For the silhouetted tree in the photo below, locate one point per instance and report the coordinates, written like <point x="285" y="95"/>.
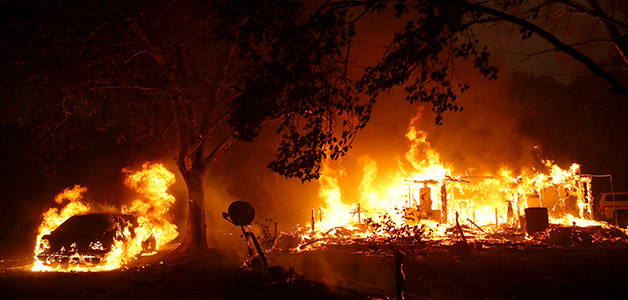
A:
<point x="152" y="72"/>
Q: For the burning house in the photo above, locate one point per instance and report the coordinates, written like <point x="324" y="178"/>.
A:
<point x="431" y="194"/>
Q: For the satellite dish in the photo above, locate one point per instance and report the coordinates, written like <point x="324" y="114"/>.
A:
<point x="241" y="213"/>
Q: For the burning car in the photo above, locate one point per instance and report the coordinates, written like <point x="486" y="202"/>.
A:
<point x="88" y="238"/>
<point x="74" y="237"/>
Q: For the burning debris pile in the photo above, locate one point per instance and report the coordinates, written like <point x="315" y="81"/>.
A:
<point x="79" y="237"/>
<point x="428" y="202"/>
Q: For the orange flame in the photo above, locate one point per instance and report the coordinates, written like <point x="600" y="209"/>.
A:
<point x="152" y="182"/>
<point x="54" y="216"/>
<point x="427" y="191"/>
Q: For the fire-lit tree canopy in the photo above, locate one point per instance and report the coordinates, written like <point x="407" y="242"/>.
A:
<point x="147" y="73"/>
<point x="207" y="74"/>
<point x="421" y="57"/>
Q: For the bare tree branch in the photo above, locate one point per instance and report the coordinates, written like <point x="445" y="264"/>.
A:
<point x="218" y="150"/>
<point x="616" y="86"/>
<point x="621" y="43"/>
<point x="134" y="55"/>
<point x="593" y="12"/>
<point x="122" y="87"/>
<point x="530" y="55"/>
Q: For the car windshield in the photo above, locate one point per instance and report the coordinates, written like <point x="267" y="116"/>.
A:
<point x="86" y="225"/>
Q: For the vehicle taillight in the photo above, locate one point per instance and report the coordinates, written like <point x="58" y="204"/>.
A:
<point x="602" y="208"/>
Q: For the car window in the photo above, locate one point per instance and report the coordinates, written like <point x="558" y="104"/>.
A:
<point x="618" y="197"/>
<point x="86" y="225"/>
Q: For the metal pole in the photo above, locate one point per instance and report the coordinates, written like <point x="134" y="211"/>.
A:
<point x="320" y="214"/>
<point x="259" y="249"/>
<point x="610" y="177"/>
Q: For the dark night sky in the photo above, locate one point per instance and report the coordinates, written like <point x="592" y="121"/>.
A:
<point x="570" y="120"/>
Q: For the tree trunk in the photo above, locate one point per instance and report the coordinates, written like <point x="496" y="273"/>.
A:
<point x="195" y="240"/>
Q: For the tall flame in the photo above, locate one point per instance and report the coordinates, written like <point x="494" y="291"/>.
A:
<point x="55" y="216"/>
<point x="152" y="182"/>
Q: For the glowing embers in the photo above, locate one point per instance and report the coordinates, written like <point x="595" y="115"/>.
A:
<point x="71" y="239"/>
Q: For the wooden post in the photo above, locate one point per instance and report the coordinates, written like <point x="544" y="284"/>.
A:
<point x="518" y="197"/>
<point x="464" y="239"/>
<point x="359" y="214"/>
<point x="313" y="220"/>
<point x="443" y="203"/>
<point x="400" y="277"/>
<point x="275" y="231"/>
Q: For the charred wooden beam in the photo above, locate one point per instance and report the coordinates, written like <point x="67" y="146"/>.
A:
<point x="476" y="225"/>
<point x="464" y="239"/>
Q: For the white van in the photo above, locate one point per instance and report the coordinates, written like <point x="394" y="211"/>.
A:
<point x="605" y="207"/>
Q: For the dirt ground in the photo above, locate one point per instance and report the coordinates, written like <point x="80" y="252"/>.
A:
<point x="214" y="275"/>
<point x="530" y="273"/>
<point x="592" y="272"/>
